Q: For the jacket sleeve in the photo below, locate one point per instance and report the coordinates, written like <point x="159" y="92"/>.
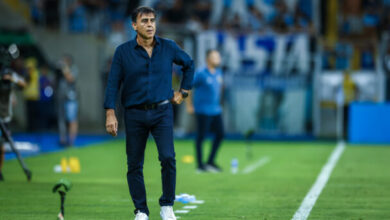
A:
<point x="183" y="59"/>
<point x="114" y="80"/>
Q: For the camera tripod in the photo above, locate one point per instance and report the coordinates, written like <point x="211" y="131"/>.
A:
<point x="9" y="139"/>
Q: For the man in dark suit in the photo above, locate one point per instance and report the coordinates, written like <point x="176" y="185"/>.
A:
<point x="143" y="67"/>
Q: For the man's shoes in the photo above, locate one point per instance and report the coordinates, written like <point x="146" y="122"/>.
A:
<point x="141" y="216"/>
<point x="213" y="168"/>
<point x="166" y="213"/>
<point x="60" y="216"/>
<point x="201" y="169"/>
<point x="1" y="176"/>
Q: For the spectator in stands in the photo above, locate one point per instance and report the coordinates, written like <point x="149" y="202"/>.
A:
<point x="95" y="16"/>
<point x="237" y="13"/>
<point x="255" y="19"/>
<point x="305" y="8"/>
<point x="350" y="21"/>
<point x="367" y="56"/>
<point x="36" y="11"/>
<point x="328" y="57"/>
<point x="343" y="52"/>
<point x="77" y="17"/>
<point x="284" y="20"/>
<point x="232" y="25"/>
<point x="371" y="20"/>
<point x="302" y="21"/>
<point x="267" y="9"/>
<point x="67" y="101"/>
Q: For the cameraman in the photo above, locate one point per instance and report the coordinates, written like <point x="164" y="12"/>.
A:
<point x="8" y="80"/>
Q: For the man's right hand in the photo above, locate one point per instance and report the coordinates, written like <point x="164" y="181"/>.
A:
<point x="111" y="122"/>
<point x="177" y="98"/>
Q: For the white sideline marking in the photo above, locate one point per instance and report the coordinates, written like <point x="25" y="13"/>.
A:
<point x="190" y="207"/>
<point x="197" y="202"/>
<point x="182" y="211"/>
<point x="253" y="167"/>
<point x="186" y="209"/>
<point x="308" y="203"/>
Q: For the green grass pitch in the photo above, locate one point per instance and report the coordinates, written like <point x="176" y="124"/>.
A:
<point x="359" y="187"/>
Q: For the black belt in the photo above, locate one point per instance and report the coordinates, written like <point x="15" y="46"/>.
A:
<point x="149" y="106"/>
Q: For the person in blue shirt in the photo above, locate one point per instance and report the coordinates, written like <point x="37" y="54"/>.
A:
<point x="207" y="107"/>
<point x="143" y="67"/>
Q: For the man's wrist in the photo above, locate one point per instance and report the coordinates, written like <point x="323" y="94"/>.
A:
<point x="110" y="112"/>
<point x="184" y="93"/>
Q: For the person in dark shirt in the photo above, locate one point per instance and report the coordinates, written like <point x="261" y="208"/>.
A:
<point x="143" y="67"/>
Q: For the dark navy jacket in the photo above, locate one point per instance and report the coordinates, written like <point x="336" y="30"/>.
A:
<point x="146" y="80"/>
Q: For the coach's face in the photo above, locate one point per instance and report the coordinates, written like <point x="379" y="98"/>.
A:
<point x="145" y="26"/>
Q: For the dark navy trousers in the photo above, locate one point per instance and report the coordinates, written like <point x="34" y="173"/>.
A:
<point x="206" y="123"/>
<point x="139" y="123"/>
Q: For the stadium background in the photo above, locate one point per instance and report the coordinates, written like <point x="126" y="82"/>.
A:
<point x="284" y="61"/>
<point x="293" y="70"/>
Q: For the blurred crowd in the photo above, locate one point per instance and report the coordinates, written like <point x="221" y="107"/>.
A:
<point x="359" y="22"/>
<point x="104" y="16"/>
<point x="360" y="26"/>
<point x="349" y="31"/>
<point x="239" y="15"/>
